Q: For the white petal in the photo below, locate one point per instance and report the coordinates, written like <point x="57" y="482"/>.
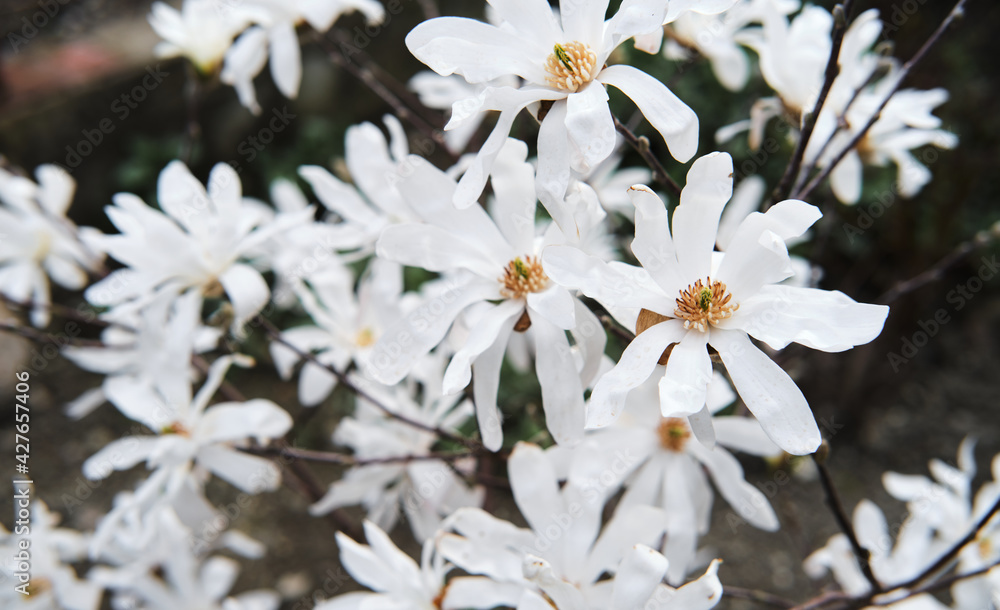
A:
<point x="769" y="393"/>
<point x="744" y="434"/>
<point x="562" y="391"/>
<point x="641" y="570"/>
<point x="555" y="304"/>
<point x="577" y="270"/>
<point x="484" y="333"/>
<point x="258" y="418"/>
<point x="635" y="366"/>
<point x="589" y="124"/>
<point x="826" y="320"/>
<point x="480" y="593"/>
<point x="675" y="121"/>
<point x="554" y="160"/>
<point x="249" y="473"/>
<point x="486" y="383"/>
<point x="121" y="454"/>
<point x="701" y="594"/>
<point x="727" y="473"/>
<point x="845" y="179"/>
<point x="535" y="485"/>
<point x="685" y="382"/>
<point x="247" y="291"/>
<point x="653" y="246"/>
<point x="286" y="63"/>
<point x="696" y="220"/>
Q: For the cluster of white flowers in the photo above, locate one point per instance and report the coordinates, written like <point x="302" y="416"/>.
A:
<point x="525" y="277"/>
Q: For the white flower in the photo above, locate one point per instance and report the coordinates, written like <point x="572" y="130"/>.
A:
<point x="677" y="10"/>
<point x="346" y="327"/>
<point x="202" y="30"/>
<point x="53" y="583"/>
<point x="185" y="580"/>
<point x="197" y="243"/>
<point x="490" y="258"/>
<point x="38" y="242"/>
<point x="660" y="464"/>
<point x="560" y="559"/>
<point x="562" y="63"/>
<point x="275" y="35"/>
<point x="426" y="489"/>
<point x="192" y="436"/>
<point x="714" y="36"/>
<point x="687" y="297"/>
<point x="151" y="350"/>
<point x="397" y="580"/>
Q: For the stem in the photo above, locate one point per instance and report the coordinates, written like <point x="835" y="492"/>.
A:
<point x="346" y="381"/>
<point x="332" y="457"/>
<point x="840" y="12"/>
<point x="837" y="506"/>
<point x="936" y="271"/>
<point x="903" y="73"/>
<point x="641" y="145"/>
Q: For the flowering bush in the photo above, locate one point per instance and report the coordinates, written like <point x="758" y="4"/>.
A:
<point x="549" y="311"/>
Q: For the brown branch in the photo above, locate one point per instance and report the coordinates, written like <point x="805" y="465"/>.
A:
<point x="754" y="595"/>
<point x="332" y="457"/>
<point x="38" y="336"/>
<point x="903" y="73"/>
<point x="837" y="507"/>
<point x="840" y="13"/>
<point x="936" y="271"/>
<point x="345" y="381"/>
<point x="641" y="145"/>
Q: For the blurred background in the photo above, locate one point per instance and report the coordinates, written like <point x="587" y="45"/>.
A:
<point x="64" y="74"/>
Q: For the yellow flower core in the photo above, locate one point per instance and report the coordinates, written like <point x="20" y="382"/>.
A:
<point x="701" y="304"/>
<point x="674" y="433"/>
<point x="571" y="66"/>
<point x="175" y="428"/>
<point x="365" y="337"/>
<point x="523" y="276"/>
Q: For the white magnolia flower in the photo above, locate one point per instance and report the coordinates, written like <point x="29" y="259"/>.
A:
<point x="651" y="40"/>
<point x="53" y="582"/>
<point x="274" y="34"/>
<point x="912" y="554"/>
<point x="37" y="242"/>
<point x="346" y="327"/>
<point x="905" y="124"/>
<point x="560" y="560"/>
<point x="490" y="258"/>
<point x="714" y="36"/>
<point x="377" y="167"/>
<point x="686" y="298"/>
<point x="562" y="64"/>
<point x="150" y="352"/>
<point x="659" y="463"/>
<point x="397" y="580"/>
<point x="197" y="243"/>
<point x="170" y="574"/>
<point x="427" y="490"/>
<point x="191" y="439"/>
<point x="202" y="30"/>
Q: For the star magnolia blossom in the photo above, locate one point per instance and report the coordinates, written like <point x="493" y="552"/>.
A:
<point x="395" y="579"/>
<point x="202" y="30"/>
<point x="559" y="561"/>
<point x="663" y="464"/>
<point x="37" y="241"/>
<point x="490" y="259"/>
<point x="426" y="489"/>
<point x="687" y="298"/>
<point x="274" y="34"/>
<point x="198" y="243"/>
<point x="562" y="63"/>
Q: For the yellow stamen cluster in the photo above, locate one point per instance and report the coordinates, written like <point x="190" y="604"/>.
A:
<point x="365" y="337"/>
<point x="674" y="433"/>
<point x="571" y="66"/>
<point x="705" y="303"/>
<point x="175" y="428"/>
<point x="523" y="276"/>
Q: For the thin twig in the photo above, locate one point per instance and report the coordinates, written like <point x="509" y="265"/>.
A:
<point x="59" y="341"/>
<point x="755" y="595"/>
<point x="936" y="271"/>
<point x="366" y="75"/>
<point x="641" y="145"/>
<point x="63" y="311"/>
<point x="945" y="560"/>
<point x="837" y="506"/>
<point x="192" y="131"/>
<point x="346" y="381"/>
<point x="840" y="12"/>
<point x="903" y="73"/>
<point x="332" y="457"/>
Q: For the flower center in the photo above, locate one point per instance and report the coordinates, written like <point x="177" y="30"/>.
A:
<point x="175" y="428"/>
<point x="571" y="66"/>
<point x="701" y="304"/>
<point x="523" y="276"/>
<point x="674" y="433"/>
<point x="365" y="337"/>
